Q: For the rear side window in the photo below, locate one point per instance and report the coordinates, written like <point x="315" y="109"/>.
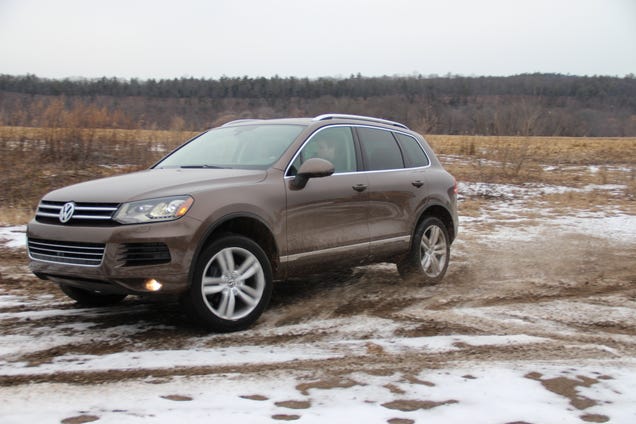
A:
<point x="380" y="149"/>
<point x="414" y="156"/>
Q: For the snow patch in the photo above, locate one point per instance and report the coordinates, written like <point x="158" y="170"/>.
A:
<point x="13" y="237"/>
<point x="499" y="392"/>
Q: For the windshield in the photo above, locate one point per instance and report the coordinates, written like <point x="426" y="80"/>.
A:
<point x="244" y="146"/>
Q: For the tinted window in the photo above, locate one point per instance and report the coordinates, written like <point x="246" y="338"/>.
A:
<point x="413" y="153"/>
<point x="334" y="144"/>
<point x="380" y="149"/>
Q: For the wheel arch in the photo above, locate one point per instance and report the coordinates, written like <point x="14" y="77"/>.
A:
<point x="441" y="213"/>
<point x="247" y="225"/>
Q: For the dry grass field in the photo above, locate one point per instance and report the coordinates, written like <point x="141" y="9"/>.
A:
<point x="535" y="159"/>
<point x="573" y="162"/>
<point x="37" y="160"/>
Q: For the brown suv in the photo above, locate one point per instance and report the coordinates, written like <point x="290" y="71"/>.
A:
<point x="228" y="212"/>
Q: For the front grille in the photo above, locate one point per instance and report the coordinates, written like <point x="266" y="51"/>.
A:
<point x="136" y="254"/>
<point x="66" y="252"/>
<point x="91" y="214"/>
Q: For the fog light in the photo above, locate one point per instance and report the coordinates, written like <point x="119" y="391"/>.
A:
<point x="153" y="285"/>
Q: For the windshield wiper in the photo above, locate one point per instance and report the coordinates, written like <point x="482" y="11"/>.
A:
<point x="201" y="166"/>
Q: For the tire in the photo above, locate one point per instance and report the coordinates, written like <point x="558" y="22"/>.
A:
<point x="427" y="261"/>
<point x="91" y="298"/>
<point x="231" y="285"/>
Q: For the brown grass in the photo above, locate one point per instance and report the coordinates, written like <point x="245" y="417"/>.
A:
<point x="37" y="160"/>
<point x="550" y="160"/>
<point x="547" y="150"/>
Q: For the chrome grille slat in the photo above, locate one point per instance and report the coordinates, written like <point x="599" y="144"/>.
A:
<point x="90" y="217"/>
<point x="71" y="244"/>
<point x="48" y="215"/>
<point x="69" y="253"/>
<point x="84" y="213"/>
<point x="95" y="208"/>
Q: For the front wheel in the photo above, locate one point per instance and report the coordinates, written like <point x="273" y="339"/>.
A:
<point x="91" y="298"/>
<point x="231" y="285"/>
<point x="427" y="260"/>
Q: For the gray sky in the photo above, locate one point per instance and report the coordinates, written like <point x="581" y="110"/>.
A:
<point x="172" y="39"/>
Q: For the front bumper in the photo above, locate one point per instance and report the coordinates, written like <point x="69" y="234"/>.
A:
<point x="113" y="274"/>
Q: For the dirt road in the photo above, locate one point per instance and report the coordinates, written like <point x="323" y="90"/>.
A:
<point x="549" y="292"/>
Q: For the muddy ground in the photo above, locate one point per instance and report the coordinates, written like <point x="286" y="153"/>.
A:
<point x="531" y="281"/>
<point x="574" y="290"/>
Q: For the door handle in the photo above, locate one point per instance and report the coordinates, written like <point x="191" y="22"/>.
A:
<point x="418" y="183"/>
<point x="360" y="187"/>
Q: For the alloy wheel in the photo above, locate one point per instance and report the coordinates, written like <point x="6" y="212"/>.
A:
<point x="233" y="283"/>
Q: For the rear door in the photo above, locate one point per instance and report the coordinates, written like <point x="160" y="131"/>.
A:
<point x="397" y="185"/>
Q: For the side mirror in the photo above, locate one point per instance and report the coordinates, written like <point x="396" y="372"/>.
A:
<point x="312" y="168"/>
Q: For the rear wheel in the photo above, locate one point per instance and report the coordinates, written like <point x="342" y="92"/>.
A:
<point x="428" y="258"/>
<point x="231" y="286"/>
<point x="91" y="298"/>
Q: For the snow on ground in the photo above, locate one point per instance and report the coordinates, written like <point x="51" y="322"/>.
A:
<point x="13" y="237"/>
<point x="541" y="391"/>
<point x="509" y="191"/>
<point x="510" y="207"/>
<point x="157" y="359"/>
<point x="528" y="190"/>
<point x="619" y="228"/>
<point x="498" y="393"/>
<point x="233" y="356"/>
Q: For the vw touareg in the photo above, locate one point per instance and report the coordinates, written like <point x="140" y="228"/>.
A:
<point x="233" y="209"/>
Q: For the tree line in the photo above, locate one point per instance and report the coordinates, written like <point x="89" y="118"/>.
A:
<point x="528" y="104"/>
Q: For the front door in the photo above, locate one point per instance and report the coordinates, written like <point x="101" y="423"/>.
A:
<point x="327" y="219"/>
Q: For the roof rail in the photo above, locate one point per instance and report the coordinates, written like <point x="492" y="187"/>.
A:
<point x="239" y="121"/>
<point x="359" y="118"/>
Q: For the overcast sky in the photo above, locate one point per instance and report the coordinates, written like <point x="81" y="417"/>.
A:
<point x="182" y="38"/>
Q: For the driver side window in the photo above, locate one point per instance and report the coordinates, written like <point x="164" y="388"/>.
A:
<point x="334" y="144"/>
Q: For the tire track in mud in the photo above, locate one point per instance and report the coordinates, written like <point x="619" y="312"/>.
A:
<point x="373" y="362"/>
<point x="502" y="289"/>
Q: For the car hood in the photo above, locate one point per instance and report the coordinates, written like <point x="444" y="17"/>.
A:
<point x="154" y="183"/>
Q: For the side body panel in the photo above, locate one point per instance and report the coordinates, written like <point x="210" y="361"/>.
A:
<point x="327" y="223"/>
<point x="393" y="205"/>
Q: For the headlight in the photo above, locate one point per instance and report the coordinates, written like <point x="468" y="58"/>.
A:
<point x="153" y="210"/>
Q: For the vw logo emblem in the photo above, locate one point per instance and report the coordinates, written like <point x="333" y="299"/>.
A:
<point x="67" y="212"/>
